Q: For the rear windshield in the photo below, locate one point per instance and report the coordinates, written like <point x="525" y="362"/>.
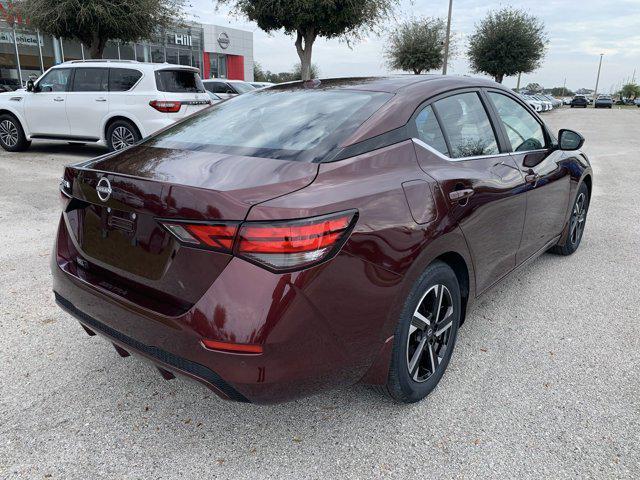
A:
<point x="291" y="124"/>
<point x="178" y="81"/>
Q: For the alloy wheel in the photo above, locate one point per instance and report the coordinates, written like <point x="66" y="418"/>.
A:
<point x="8" y="133"/>
<point x="122" y="137"/>
<point x="429" y="333"/>
<point x="578" y="218"/>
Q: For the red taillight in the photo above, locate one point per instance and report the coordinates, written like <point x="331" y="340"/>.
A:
<point x="293" y="244"/>
<point x="278" y="246"/>
<point x="218" y="236"/>
<point x="232" y="347"/>
<point x="166" y="106"/>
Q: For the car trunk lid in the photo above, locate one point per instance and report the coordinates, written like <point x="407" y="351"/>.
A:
<point x="117" y="201"/>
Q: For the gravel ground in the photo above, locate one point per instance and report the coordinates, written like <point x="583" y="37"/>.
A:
<point x="544" y="383"/>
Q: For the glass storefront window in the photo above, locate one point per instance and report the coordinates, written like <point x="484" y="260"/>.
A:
<point x="143" y="53"/>
<point x="27" y="41"/>
<point x="185" y="57"/>
<point x="110" y="51"/>
<point x="71" y="50"/>
<point x="172" y="56"/>
<point x="181" y="46"/>
<point x="218" y="65"/>
<point x="49" y="51"/>
<point x="157" y="54"/>
<point x="127" y="52"/>
<point x="9" y="79"/>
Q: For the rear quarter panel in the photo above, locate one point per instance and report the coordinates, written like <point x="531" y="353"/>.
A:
<point x="392" y="248"/>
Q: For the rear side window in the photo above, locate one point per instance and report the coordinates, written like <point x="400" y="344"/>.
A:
<point x="179" y="81"/>
<point x="90" y="80"/>
<point x="467" y="126"/>
<point x="524" y="132"/>
<point x="123" y="79"/>
<point x="429" y="130"/>
<point x="289" y="124"/>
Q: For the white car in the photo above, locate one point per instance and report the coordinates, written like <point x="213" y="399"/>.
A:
<point x="533" y="103"/>
<point x="113" y="103"/>
<point x="225" y="88"/>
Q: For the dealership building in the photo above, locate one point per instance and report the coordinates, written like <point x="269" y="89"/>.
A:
<point x="218" y="52"/>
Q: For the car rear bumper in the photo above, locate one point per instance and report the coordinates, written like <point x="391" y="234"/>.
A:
<point x="314" y="337"/>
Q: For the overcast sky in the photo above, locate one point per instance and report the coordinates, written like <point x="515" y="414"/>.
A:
<point x="578" y="30"/>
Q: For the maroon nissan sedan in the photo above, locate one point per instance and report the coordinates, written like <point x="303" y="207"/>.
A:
<point x="316" y="234"/>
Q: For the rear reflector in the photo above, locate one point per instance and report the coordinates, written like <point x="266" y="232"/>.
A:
<point x="279" y="246"/>
<point x="232" y="347"/>
<point x="166" y="106"/>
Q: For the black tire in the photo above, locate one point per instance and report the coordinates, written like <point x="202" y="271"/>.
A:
<point x="12" y="137"/>
<point x="408" y="387"/>
<point x="576" y="224"/>
<point x="121" y="134"/>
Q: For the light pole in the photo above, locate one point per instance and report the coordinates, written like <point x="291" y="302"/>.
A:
<point x="595" y="93"/>
<point x="446" y="40"/>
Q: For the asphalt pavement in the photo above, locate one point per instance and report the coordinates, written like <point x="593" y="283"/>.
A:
<point x="544" y="381"/>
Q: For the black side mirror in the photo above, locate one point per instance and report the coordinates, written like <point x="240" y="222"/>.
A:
<point x="570" y="140"/>
<point x="30" y="85"/>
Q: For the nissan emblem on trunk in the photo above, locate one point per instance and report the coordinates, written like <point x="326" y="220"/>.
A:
<point x="103" y="189"/>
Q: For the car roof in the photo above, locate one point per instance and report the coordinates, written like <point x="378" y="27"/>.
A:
<point x="124" y="64"/>
<point x="407" y="93"/>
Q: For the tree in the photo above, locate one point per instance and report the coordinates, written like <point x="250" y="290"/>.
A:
<point x="94" y="22"/>
<point x="296" y="73"/>
<point x="310" y="19"/>
<point x="561" y="92"/>
<point x="417" y="45"/>
<point x="507" y="42"/>
<point x="533" y="87"/>
<point x="630" y="91"/>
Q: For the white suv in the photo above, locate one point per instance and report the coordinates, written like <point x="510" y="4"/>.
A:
<point x="114" y="103"/>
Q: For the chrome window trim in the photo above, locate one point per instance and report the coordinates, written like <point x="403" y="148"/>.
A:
<point x="450" y="159"/>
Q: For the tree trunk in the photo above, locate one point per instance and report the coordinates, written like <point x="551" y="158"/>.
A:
<point x="304" y="51"/>
<point x="499" y="77"/>
<point x="417" y="71"/>
<point x="96" y="48"/>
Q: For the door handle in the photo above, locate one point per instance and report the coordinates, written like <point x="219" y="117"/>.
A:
<point x="101" y="99"/>
<point x="532" y="177"/>
<point x="58" y="99"/>
<point x="461" y="195"/>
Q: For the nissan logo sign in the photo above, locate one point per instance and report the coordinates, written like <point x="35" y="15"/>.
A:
<point x="103" y="189"/>
<point x="223" y="40"/>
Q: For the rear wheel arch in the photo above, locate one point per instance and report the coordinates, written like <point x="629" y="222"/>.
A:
<point x="588" y="181"/>
<point x="115" y="118"/>
<point x="377" y="373"/>
<point x="461" y="269"/>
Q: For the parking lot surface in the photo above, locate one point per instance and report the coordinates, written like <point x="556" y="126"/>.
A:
<point x="544" y="382"/>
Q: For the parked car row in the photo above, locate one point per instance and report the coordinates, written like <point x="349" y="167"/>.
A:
<point x="106" y="102"/>
<point x="541" y="102"/>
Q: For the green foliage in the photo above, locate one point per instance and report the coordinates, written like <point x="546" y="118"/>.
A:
<point x="507" y="42"/>
<point x="310" y="19"/>
<point x="417" y="45"/>
<point x="630" y="90"/>
<point x="296" y="73"/>
<point x="94" y="22"/>
<point x="261" y="75"/>
<point x="561" y="92"/>
<point x="533" y="87"/>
